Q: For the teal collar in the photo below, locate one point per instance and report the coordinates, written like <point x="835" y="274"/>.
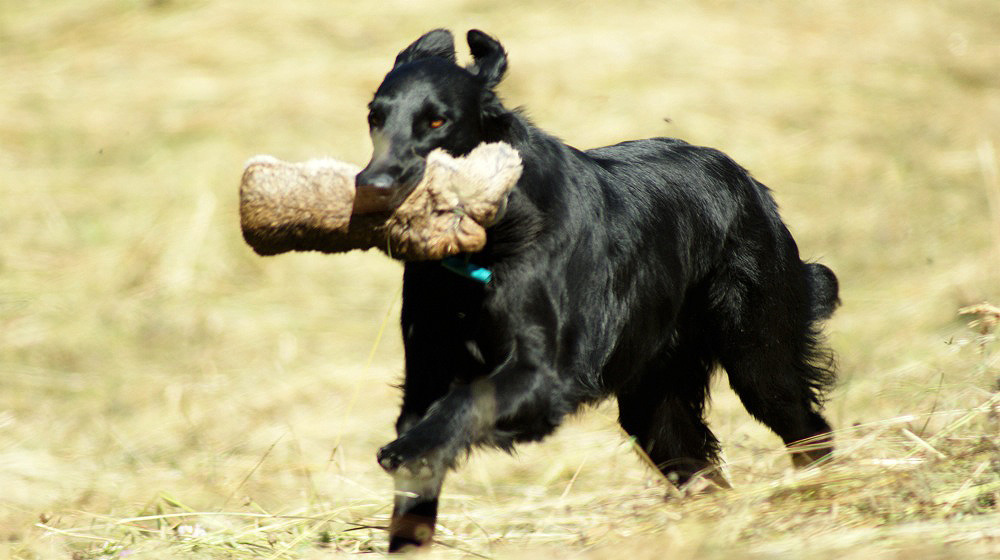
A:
<point x="462" y="267"/>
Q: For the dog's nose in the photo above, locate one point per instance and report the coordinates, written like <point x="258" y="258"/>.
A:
<point x="379" y="180"/>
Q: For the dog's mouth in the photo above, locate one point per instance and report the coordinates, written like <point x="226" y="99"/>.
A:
<point x="370" y="199"/>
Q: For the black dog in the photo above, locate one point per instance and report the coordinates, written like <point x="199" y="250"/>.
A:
<point x="633" y="270"/>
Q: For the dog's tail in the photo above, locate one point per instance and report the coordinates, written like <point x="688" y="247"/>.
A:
<point x="824" y="290"/>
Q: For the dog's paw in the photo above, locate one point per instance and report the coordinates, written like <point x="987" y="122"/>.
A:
<point x="403" y="454"/>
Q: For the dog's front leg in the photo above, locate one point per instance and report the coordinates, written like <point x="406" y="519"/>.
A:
<point x="415" y="504"/>
<point x="419" y="459"/>
<point x="526" y="399"/>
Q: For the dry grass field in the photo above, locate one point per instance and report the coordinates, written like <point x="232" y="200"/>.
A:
<point x="165" y="393"/>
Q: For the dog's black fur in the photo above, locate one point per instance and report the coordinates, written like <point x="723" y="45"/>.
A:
<point x="633" y="271"/>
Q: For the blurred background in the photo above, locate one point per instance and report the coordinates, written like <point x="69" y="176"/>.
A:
<point x="164" y="392"/>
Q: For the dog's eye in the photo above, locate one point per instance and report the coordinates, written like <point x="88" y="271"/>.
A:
<point x="374" y="120"/>
<point x="436" y="123"/>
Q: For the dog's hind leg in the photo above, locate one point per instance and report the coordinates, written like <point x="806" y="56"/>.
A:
<point x="771" y="389"/>
<point x="664" y="412"/>
<point x="778" y="368"/>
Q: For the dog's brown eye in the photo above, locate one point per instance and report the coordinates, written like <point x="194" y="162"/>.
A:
<point x="436" y="123"/>
<point x="374" y="120"/>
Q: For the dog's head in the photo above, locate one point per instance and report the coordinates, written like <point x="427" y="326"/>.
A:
<point x="425" y="102"/>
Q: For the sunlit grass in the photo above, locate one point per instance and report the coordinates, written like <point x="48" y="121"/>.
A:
<point x="166" y="393"/>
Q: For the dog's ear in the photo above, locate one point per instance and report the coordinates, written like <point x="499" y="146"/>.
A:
<point x="439" y="43"/>
<point x="490" y="60"/>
